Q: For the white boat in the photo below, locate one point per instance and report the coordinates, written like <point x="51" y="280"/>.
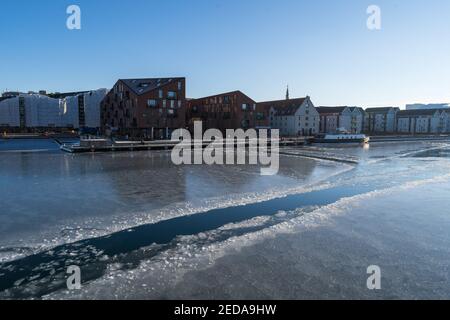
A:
<point x="342" y="138"/>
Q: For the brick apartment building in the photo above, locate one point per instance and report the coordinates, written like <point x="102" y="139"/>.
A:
<point x="145" y="108"/>
<point x="232" y="110"/>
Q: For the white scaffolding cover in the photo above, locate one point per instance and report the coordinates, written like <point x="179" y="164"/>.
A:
<point x="43" y="111"/>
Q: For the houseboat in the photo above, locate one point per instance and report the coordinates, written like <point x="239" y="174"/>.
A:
<point x="344" y="138"/>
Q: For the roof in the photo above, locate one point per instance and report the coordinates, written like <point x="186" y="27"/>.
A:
<point x="284" y="107"/>
<point x="417" y="112"/>
<point x="142" y="86"/>
<point x="331" y="109"/>
<point x="379" y="110"/>
<point x="427" y="106"/>
<point x="225" y="94"/>
<point x="65" y="94"/>
<point x="5" y="98"/>
<point x="298" y="101"/>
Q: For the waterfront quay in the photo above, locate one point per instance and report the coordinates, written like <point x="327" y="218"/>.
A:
<point x="104" y="145"/>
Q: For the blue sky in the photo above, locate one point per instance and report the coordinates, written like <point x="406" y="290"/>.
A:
<point x="321" y="48"/>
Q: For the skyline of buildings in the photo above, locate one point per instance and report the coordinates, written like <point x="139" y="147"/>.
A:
<point x="152" y="108"/>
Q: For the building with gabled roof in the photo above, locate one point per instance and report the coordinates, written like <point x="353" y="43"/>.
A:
<point x="380" y="120"/>
<point x="293" y="117"/>
<point x="422" y="121"/>
<point x="349" y="119"/>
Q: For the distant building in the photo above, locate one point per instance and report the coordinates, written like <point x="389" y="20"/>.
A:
<point x="448" y="121"/>
<point x="35" y="112"/>
<point x="293" y="117"/>
<point x="380" y="120"/>
<point x="147" y="108"/>
<point x="350" y="119"/>
<point x="10" y="94"/>
<point x="419" y="106"/>
<point x="422" y="121"/>
<point x="231" y="110"/>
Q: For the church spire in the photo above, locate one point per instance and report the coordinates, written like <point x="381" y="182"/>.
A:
<point x="287" y="93"/>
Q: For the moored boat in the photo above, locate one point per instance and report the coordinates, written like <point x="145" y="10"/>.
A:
<point x="342" y="138"/>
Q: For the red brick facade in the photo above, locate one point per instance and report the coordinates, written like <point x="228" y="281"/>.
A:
<point x="154" y="108"/>
<point x="145" y="108"/>
<point x="232" y="110"/>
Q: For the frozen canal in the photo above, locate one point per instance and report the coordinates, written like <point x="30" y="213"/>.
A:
<point x="140" y="227"/>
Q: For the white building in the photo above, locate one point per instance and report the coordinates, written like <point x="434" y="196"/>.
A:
<point x="447" y="130"/>
<point x="422" y="121"/>
<point x="32" y="110"/>
<point x="294" y="117"/>
<point x="420" y="106"/>
<point x="350" y="119"/>
<point x="380" y="120"/>
<point x="9" y="115"/>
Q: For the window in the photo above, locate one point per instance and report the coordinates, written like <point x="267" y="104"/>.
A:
<point x="179" y="85"/>
<point x="260" y="116"/>
<point x="164" y="103"/>
<point x="161" y="94"/>
<point x="171" y="95"/>
<point x="172" y="104"/>
<point x="244" y="107"/>
<point x="152" y="103"/>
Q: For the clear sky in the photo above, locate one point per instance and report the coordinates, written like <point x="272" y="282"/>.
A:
<point x="321" y="48"/>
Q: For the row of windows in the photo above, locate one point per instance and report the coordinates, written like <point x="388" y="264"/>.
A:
<point x="153" y="103"/>
<point x="220" y="100"/>
<point x="286" y="118"/>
